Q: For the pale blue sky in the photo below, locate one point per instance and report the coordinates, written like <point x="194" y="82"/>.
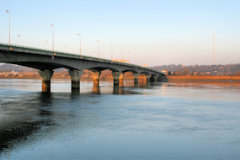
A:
<point x="152" y="32"/>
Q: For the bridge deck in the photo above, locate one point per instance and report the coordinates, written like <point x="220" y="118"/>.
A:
<point x="31" y="50"/>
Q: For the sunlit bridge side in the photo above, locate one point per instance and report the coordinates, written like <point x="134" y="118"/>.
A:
<point x="46" y="61"/>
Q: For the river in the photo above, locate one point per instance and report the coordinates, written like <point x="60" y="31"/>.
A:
<point x="162" y="121"/>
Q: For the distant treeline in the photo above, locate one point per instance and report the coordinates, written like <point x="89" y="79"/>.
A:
<point x="9" y="71"/>
<point x="229" y="69"/>
<point x="15" y="68"/>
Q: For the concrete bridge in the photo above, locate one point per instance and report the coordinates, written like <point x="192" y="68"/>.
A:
<point x="46" y="61"/>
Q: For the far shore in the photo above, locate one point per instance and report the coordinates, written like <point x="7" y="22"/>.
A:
<point x="107" y="76"/>
<point x="86" y="76"/>
<point x="224" y="79"/>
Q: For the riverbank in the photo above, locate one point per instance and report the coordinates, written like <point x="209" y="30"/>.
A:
<point x="227" y="79"/>
<point x="107" y="76"/>
<point x="86" y="76"/>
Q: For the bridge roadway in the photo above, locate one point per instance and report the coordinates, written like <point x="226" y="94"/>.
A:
<point x="46" y="61"/>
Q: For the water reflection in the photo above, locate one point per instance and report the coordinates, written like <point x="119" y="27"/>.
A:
<point x="21" y="118"/>
<point x="28" y="113"/>
<point x="213" y="91"/>
<point x="75" y="92"/>
<point x="96" y="89"/>
<point x="102" y="122"/>
<point x="118" y="90"/>
<point x="46" y="86"/>
<point x="45" y="98"/>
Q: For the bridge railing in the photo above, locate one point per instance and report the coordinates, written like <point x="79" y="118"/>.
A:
<point x="44" y="51"/>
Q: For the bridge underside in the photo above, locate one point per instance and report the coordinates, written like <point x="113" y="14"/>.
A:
<point x="42" y="66"/>
<point x="48" y="62"/>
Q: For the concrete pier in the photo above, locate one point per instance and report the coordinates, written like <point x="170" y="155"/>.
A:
<point x="155" y="79"/>
<point x="46" y="76"/>
<point x="135" y="79"/>
<point x="118" y="90"/>
<point x="75" y="78"/>
<point x="96" y="78"/>
<point x="116" y="78"/>
<point x="148" y="79"/>
<point x="121" y="80"/>
<point x="162" y="78"/>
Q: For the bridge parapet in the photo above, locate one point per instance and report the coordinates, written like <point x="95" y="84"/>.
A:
<point x="23" y="49"/>
<point x="43" y="60"/>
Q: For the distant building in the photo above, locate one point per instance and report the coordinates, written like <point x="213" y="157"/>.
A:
<point x="164" y="71"/>
<point x="121" y="60"/>
<point x="215" y="73"/>
<point x="208" y="73"/>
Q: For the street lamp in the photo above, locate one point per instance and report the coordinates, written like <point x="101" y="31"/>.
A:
<point x="80" y="51"/>
<point x="98" y="47"/>
<point x="18" y="36"/>
<point x="9" y="40"/>
<point x="122" y="53"/>
<point x="46" y="42"/>
<point x="52" y="40"/>
<point x="111" y="51"/>
<point x="52" y="36"/>
<point x="66" y="48"/>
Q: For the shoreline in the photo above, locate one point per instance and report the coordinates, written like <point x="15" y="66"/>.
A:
<point x="209" y="79"/>
<point x="108" y="77"/>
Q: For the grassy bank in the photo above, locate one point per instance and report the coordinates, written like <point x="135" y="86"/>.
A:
<point x="229" y="79"/>
<point x="86" y="76"/>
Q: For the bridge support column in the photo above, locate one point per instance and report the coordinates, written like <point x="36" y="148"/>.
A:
<point x="162" y="78"/>
<point x="96" y="78"/>
<point x="121" y="80"/>
<point x="75" y="78"/>
<point x="46" y="76"/>
<point x="118" y="90"/>
<point x="148" y="79"/>
<point x="116" y="78"/>
<point x="155" y="78"/>
<point x="135" y="79"/>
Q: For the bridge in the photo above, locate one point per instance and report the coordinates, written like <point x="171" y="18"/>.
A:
<point x="46" y="61"/>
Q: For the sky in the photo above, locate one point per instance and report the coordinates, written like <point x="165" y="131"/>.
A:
<point x="152" y="32"/>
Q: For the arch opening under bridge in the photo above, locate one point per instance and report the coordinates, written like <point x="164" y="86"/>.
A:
<point x="46" y="62"/>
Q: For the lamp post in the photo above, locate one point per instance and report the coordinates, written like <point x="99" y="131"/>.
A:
<point x="52" y="40"/>
<point x="52" y="36"/>
<point x="18" y="36"/>
<point x="98" y="47"/>
<point x="66" y="48"/>
<point x="122" y="53"/>
<point x="46" y="42"/>
<point x="111" y="51"/>
<point x="9" y="40"/>
<point x="80" y="49"/>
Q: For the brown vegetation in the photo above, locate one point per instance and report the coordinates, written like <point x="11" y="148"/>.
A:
<point x="86" y="76"/>
<point x="205" y="78"/>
